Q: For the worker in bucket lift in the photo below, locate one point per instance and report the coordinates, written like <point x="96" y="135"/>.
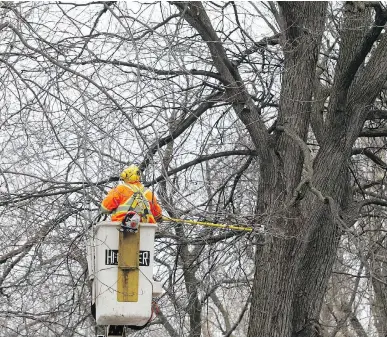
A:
<point x="124" y="203"/>
<point x="131" y="200"/>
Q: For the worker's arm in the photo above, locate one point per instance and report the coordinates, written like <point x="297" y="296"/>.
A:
<point x="154" y="206"/>
<point x="157" y="212"/>
<point x="104" y="210"/>
<point x="111" y="201"/>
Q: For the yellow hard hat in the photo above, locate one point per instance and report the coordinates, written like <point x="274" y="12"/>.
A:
<point x="131" y="174"/>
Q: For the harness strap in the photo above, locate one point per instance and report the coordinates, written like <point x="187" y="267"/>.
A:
<point x="132" y="202"/>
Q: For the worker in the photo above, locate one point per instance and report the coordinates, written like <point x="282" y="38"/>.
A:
<point x="124" y="199"/>
<point x="131" y="196"/>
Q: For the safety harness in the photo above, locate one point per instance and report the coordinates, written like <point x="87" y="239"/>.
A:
<point x="137" y="208"/>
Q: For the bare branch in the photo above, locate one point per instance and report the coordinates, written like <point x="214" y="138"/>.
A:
<point x="367" y="152"/>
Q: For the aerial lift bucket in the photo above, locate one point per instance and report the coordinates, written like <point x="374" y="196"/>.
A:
<point x="121" y="270"/>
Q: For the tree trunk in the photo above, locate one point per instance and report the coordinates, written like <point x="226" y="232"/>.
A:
<point x="278" y="262"/>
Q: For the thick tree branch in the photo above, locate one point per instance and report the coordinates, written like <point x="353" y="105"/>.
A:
<point x="379" y="132"/>
<point x="367" y="152"/>
<point x="195" y="14"/>
<point x="376" y="114"/>
<point x="369" y="84"/>
<point x="373" y="201"/>
<point x="349" y="104"/>
<point x="365" y="46"/>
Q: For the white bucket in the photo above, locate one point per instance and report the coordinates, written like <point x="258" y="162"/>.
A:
<point x="104" y="272"/>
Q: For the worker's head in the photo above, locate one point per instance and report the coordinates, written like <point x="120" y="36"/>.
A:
<point x="131" y="174"/>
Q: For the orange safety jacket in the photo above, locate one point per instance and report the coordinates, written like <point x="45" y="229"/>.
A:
<point x="122" y="193"/>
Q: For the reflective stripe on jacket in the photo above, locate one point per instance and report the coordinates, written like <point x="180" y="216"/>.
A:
<point x="119" y="195"/>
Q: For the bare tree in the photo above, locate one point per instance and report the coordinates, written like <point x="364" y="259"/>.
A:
<point x="241" y="113"/>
